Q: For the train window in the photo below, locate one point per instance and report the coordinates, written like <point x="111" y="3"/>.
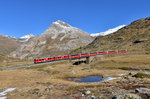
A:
<point x="66" y="56"/>
<point x="92" y="52"/>
<point x="75" y="55"/>
<point x="122" y="50"/>
<point x="101" y="52"/>
<point x="84" y="53"/>
<point x="111" y="51"/>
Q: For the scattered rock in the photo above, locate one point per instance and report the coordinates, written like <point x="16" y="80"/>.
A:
<point x="20" y="89"/>
<point x="93" y="97"/>
<point x="127" y="96"/>
<point x="50" y="86"/>
<point x="86" y="93"/>
<point x="35" y="91"/>
<point x="143" y="90"/>
<point x="47" y="90"/>
<point x="73" y="72"/>
<point x="134" y="96"/>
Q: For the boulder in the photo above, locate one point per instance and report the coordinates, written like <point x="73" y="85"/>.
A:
<point x="143" y="90"/>
<point x="127" y="96"/>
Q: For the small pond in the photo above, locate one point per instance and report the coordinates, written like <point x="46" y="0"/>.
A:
<point x="87" y="79"/>
<point x="90" y="79"/>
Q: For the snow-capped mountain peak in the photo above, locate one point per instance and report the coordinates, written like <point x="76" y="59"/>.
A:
<point x="108" y="31"/>
<point x="60" y="28"/>
<point x="26" y="37"/>
<point x="61" y="24"/>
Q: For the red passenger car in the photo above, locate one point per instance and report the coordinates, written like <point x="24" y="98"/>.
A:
<point x="93" y="53"/>
<point x="122" y="51"/>
<point x="65" y="57"/>
<point x="84" y="54"/>
<point x="102" y="53"/>
<point x="75" y="56"/>
<point x="112" y="52"/>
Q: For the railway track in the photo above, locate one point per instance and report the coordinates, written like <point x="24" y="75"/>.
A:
<point x="25" y="66"/>
<point x="32" y="65"/>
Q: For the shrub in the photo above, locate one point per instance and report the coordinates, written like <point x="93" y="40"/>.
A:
<point x="142" y="75"/>
<point x="124" y="68"/>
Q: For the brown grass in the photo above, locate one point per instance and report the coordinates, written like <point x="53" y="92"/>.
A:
<point x="56" y="73"/>
<point x="126" y="61"/>
<point x="14" y="62"/>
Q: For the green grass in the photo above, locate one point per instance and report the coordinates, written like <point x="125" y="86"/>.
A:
<point x="142" y="75"/>
<point x="48" y="83"/>
<point x="124" y="68"/>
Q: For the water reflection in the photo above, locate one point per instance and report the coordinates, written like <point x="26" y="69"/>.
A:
<point x="87" y="79"/>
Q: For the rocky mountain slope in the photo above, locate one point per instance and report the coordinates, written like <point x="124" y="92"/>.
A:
<point x="8" y="44"/>
<point x="58" y="39"/>
<point x="134" y="37"/>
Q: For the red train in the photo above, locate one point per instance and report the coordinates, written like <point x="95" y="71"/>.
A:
<point x="75" y="56"/>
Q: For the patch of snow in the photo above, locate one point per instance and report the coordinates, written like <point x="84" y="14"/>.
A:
<point x="61" y="28"/>
<point x="110" y="31"/>
<point x="65" y="27"/>
<point x="121" y="74"/>
<point x="3" y="97"/>
<point x="21" y="39"/>
<point x="62" y="24"/>
<point x="111" y="78"/>
<point x="94" y="35"/>
<point x="2" y="94"/>
<point x="26" y="37"/>
<point x="62" y="37"/>
<point x="55" y="36"/>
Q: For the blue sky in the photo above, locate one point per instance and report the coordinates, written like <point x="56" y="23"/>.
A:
<point x="20" y="17"/>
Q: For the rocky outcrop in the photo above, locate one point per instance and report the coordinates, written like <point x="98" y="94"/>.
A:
<point x="127" y="96"/>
